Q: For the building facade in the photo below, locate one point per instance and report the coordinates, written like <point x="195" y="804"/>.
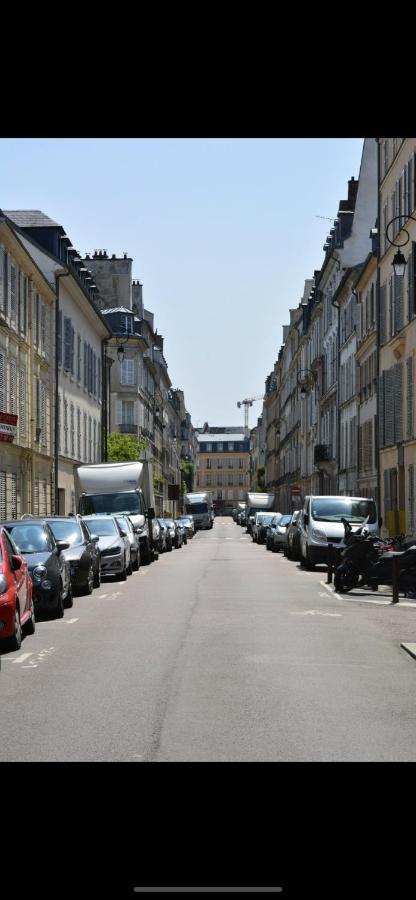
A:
<point x="223" y="465"/>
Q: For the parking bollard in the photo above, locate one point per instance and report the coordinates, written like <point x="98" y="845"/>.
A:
<point x="396" y="575"/>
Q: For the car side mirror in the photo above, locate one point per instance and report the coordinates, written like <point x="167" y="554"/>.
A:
<point x="150" y="513"/>
<point x="380" y="522"/>
<point x="62" y="545"/>
<point x="94" y="538"/>
<point x="123" y="533"/>
<point x="16" y="563"/>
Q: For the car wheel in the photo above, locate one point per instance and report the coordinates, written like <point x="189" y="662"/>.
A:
<point x="15" y="642"/>
<point x="59" y="608"/>
<point x="89" y="584"/>
<point x="29" y="626"/>
<point x="130" y="568"/>
<point x="97" y="577"/>
<point x="170" y="548"/>
<point x="69" y="599"/>
<point x="308" y="562"/>
<point x="123" y="574"/>
<point x="136" y="563"/>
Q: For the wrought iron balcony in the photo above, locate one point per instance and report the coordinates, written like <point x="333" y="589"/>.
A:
<point x="127" y="428"/>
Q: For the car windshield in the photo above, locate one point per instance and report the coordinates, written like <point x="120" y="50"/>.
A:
<point x="284" y="520"/>
<point x="198" y="508"/>
<point x="184" y="520"/>
<point x="333" y="509"/>
<point x="66" y="531"/>
<point x="169" y="522"/>
<point x="265" y="518"/>
<point x="30" y="538"/>
<point x="110" y="503"/>
<point x="101" y="527"/>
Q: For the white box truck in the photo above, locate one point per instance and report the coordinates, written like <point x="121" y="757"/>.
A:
<point x="200" y="506"/>
<point x="117" y="488"/>
<point x="257" y="503"/>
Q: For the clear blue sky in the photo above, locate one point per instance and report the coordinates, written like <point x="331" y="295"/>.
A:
<point x="223" y="233"/>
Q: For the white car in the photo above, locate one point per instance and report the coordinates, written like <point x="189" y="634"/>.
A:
<point x="113" y="544"/>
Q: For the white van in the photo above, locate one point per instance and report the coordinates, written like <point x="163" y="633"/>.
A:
<point x="320" y="524"/>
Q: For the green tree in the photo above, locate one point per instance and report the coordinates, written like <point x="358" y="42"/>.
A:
<point x="261" y="481"/>
<point x="123" y="447"/>
<point x="188" y="470"/>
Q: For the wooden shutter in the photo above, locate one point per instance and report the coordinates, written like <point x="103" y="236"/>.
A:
<point x="411" y="496"/>
<point x="43" y="435"/>
<point x="3" y="510"/>
<point x="67" y="343"/>
<point x="13" y="291"/>
<point x="12" y="387"/>
<point x="398" y="303"/>
<point x="398" y="402"/>
<point x="391" y="319"/>
<point x="60" y="338"/>
<point x="13" y="496"/>
<point x="72" y="349"/>
<point x="409" y="396"/>
<point x="2" y="382"/>
<point x="85" y="364"/>
<point x="389" y="427"/>
<point x="22" y="402"/>
<point x="2" y="278"/>
<point x="382" y="314"/>
<point x="380" y="403"/>
<point x="43" y="328"/>
<point x="386" y="494"/>
<point x="36" y="497"/>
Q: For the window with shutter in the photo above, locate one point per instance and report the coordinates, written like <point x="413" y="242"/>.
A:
<point x="85" y="437"/>
<point x="78" y="433"/>
<point x="411" y="496"/>
<point x="94" y="448"/>
<point x="3" y="493"/>
<point x="72" y="369"/>
<point x="398" y="302"/>
<point x="66" y="426"/>
<point x="12" y="387"/>
<point x="409" y="392"/>
<point x="398" y="403"/>
<point x="391" y="320"/>
<point x="383" y="314"/>
<point x="85" y="364"/>
<point x="389" y="428"/>
<point x="72" y="428"/>
<point x="89" y="439"/>
<point x="43" y="314"/>
<point x="22" y="402"/>
<point x="79" y="345"/>
<point x="43" y="433"/>
<point x="3" y="279"/>
<point x="13" y="293"/>
<point x="36" y="497"/>
<point x="99" y="379"/>
<point x="387" y="507"/>
<point x="59" y="423"/>
<point x="67" y="343"/>
<point x="13" y="496"/>
<point x="60" y="338"/>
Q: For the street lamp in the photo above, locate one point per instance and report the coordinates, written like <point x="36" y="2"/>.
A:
<point x="399" y="263"/>
<point x="120" y="349"/>
<point x="306" y="380"/>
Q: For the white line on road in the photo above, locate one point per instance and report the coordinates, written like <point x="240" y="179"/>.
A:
<point x="315" y="612"/>
<point x="355" y="599"/>
<point x="20" y="659"/>
<point x="71" y="621"/>
<point x="102" y="596"/>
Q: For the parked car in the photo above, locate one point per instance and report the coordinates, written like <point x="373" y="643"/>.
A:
<point x="17" y="611"/>
<point x="175" y="533"/>
<point x="280" y="533"/>
<point x="242" y="518"/>
<point x="189" y="524"/>
<point x="113" y="544"/>
<point x="270" y="530"/>
<point x="292" y="549"/>
<point x="127" y="526"/>
<point x="82" y="555"/>
<point x="48" y="568"/>
<point x="259" y="528"/>
<point x="165" y="540"/>
<point x="184" y="532"/>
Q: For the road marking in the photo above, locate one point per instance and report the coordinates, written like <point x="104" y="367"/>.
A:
<point x="315" y="612"/>
<point x="71" y="621"/>
<point x="102" y="596"/>
<point x="20" y="659"/>
<point x="143" y="573"/>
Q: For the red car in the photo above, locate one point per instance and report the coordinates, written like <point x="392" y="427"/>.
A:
<point x="17" y="612"/>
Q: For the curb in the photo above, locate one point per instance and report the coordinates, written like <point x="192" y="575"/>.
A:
<point x="410" y="648"/>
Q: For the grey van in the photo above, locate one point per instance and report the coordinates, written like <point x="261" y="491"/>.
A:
<point x="321" y="524"/>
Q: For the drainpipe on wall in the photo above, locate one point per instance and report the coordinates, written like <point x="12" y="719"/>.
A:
<point x="336" y="306"/>
<point x="60" y="274"/>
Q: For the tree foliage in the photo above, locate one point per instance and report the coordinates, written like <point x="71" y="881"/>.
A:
<point x="123" y="447"/>
<point x="261" y="480"/>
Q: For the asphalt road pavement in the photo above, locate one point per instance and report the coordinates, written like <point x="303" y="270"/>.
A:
<point x="218" y="651"/>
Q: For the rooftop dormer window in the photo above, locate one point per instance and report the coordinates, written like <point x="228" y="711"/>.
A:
<point x="126" y="324"/>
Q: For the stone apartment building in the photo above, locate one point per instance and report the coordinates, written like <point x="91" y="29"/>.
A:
<point x="397" y="335"/>
<point x="366" y="359"/>
<point x="223" y="465"/>
<point x="81" y="359"/>
<point x="26" y="380"/>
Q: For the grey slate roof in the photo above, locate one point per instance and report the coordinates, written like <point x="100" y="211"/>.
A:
<point x="213" y="438"/>
<point x="30" y="218"/>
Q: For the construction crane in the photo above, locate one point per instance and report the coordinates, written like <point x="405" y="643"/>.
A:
<point x="246" y="403"/>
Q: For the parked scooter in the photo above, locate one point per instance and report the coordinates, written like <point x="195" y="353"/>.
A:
<point x="365" y="562"/>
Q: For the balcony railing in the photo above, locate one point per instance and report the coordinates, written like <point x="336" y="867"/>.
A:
<point x="127" y="428"/>
<point x="322" y="453"/>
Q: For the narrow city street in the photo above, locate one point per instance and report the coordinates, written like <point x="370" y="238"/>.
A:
<point x="218" y="651"/>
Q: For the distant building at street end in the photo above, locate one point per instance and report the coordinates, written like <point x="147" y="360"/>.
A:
<point x="223" y="464"/>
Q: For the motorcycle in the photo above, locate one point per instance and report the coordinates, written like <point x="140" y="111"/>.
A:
<point x="367" y="562"/>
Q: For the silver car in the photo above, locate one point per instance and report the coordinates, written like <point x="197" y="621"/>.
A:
<point x="189" y="524"/>
<point x="113" y="544"/>
<point x="127" y="526"/>
<point x="280" y="533"/>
